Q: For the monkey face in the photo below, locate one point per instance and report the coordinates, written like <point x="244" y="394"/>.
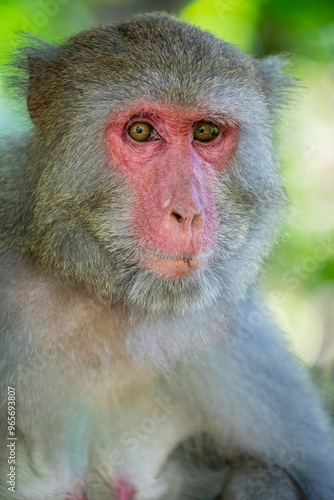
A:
<point x="158" y="185"/>
<point x="171" y="158"/>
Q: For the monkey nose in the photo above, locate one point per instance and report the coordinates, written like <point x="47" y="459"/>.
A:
<point x="185" y="214"/>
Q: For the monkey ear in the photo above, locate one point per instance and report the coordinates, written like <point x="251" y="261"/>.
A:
<point x="276" y="83"/>
<point x="36" y="100"/>
<point x="40" y="64"/>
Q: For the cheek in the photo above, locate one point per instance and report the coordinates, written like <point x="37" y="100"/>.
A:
<point x="219" y="156"/>
<point x="136" y="166"/>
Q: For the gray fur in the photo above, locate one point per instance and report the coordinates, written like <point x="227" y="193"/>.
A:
<point x="70" y="274"/>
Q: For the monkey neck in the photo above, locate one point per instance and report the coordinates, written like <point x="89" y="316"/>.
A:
<point x="85" y="331"/>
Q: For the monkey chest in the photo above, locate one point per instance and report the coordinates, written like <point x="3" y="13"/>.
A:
<point x="114" y="435"/>
<point x="132" y="436"/>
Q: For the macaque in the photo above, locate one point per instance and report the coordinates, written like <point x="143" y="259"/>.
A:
<point x="138" y="361"/>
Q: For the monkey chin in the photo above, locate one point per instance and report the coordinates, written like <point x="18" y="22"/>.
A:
<point x="173" y="268"/>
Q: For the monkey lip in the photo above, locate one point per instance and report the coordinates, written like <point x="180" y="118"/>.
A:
<point x="173" y="267"/>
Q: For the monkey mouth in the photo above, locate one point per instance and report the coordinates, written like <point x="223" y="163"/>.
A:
<point x="173" y="267"/>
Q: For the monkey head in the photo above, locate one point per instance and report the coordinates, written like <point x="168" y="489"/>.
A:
<point x="158" y="184"/>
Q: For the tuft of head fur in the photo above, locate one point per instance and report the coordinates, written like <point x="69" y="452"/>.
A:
<point x="71" y="211"/>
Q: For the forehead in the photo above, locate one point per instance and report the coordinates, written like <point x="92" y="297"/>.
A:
<point x="162" y="111"/>
<point x="170" y="96"/>
<point x="161" y="57"/>
<point x="162" y="61"/>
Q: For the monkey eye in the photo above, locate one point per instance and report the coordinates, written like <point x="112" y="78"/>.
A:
<point x="142" y="132"/>
<point x="205" y="131"/>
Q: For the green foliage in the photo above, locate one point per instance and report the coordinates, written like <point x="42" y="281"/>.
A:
<point x="51" y="20"/>
<point x="232" y="20"/>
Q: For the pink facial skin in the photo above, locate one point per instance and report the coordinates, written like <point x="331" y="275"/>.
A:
<point x="173" y="178"/>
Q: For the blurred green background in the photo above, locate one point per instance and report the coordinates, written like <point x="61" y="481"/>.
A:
<point x="300" y="276"/>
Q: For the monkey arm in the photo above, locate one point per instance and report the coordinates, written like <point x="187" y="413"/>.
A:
<point x="251" y="480"/>
<point x="259" y="403"/>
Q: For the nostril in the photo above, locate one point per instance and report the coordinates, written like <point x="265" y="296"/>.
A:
<point x="178" y="217"/>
